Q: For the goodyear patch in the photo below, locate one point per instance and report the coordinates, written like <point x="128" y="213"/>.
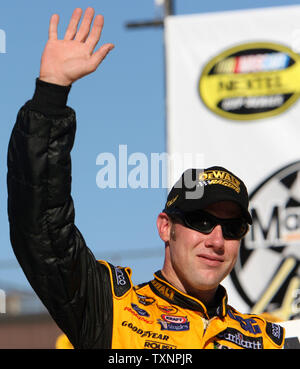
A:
<point x="251" y="81"/>
<point x="145" y="333"/>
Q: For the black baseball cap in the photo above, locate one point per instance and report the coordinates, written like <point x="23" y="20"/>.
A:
<point x="198" y="188"/>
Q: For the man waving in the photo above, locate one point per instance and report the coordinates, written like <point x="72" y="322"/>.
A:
<point x="94" y="302"/>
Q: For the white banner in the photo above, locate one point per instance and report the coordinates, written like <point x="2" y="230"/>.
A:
<point x="233" y="84"/>
<point x="292" y="334"/>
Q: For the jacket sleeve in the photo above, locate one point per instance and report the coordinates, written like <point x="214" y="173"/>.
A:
<point x="73" y="286"/>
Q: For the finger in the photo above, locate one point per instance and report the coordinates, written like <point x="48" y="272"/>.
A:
<point x="72" y="27"/>
<point x="99" y="55"/>
<point x="95" y="33"/>
<point x="84" y="28"/>
<point x="52" y="33"/>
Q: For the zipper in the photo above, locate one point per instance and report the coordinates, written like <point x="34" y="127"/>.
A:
<point x="205" y="324"/>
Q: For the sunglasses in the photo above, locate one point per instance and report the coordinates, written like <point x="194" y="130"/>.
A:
<point x="232" y="228"/>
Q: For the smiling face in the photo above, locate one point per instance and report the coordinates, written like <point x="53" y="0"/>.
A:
<point x="195" y="261"/>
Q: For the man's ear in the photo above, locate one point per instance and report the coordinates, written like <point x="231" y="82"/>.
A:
<point x="164" y="225"/>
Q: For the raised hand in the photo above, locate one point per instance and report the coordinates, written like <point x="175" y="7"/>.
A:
<point x="65" y="61"/>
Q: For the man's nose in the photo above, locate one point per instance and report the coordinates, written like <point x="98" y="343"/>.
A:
<point x="215" y="238"/>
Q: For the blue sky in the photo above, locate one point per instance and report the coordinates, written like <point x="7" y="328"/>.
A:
<point x="123" y="103"/>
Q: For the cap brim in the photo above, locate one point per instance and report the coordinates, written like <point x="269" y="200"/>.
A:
<point x="203" y="203"/>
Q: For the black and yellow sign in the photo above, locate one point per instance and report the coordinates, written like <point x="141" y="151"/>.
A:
<point x="251" y="81"/>
<point x="271" y="250"/>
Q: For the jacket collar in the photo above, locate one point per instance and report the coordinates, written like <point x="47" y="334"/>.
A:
<point x="162" y="288"/>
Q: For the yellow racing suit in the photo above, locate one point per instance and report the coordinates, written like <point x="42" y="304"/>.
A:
<point x="158" y="316"/>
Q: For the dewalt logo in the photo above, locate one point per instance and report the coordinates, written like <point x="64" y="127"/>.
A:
<point x="219" y="177"/>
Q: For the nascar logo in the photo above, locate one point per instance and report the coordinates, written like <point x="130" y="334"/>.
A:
<point x="253" y="63"/>
<point x="251" y="81"/>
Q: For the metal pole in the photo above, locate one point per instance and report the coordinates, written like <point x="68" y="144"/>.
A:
<point x="168" y="10"/>
<point x="169" y="7"/>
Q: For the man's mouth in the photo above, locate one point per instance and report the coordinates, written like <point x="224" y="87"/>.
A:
<point x="211" y="260"/>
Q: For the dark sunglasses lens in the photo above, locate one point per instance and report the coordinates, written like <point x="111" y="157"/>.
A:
<point x="200" y="222"/>
<point x="235" y="229"/>
<point x="232" y="228"/>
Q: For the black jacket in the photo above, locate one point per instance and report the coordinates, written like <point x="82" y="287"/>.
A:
<point x="50" y="249"/>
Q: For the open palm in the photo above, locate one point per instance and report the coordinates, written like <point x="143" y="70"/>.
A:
<point x="65" y="61"/>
